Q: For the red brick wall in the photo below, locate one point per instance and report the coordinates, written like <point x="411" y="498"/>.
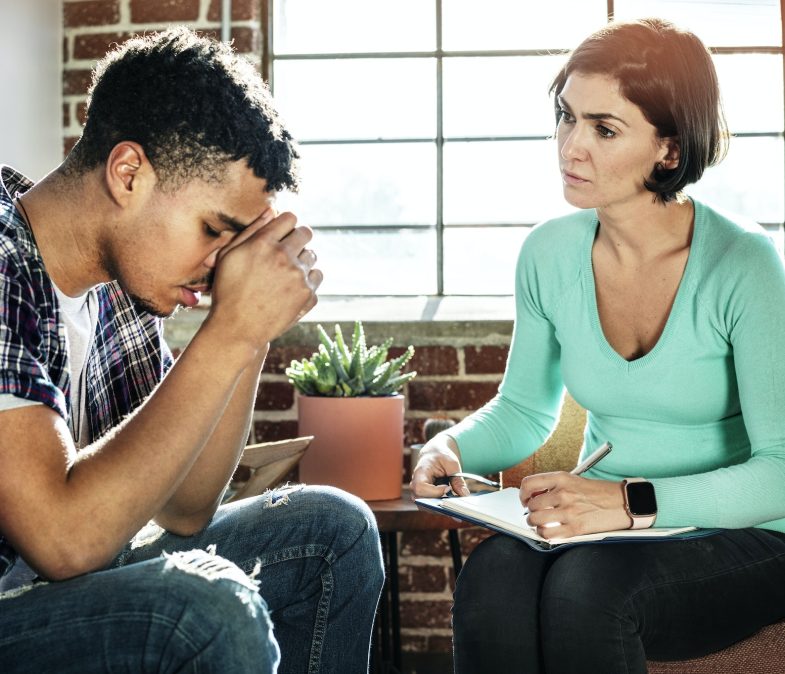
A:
<point x="91" y="27"/>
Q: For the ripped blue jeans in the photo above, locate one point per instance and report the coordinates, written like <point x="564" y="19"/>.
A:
<point x="287" y="581"/>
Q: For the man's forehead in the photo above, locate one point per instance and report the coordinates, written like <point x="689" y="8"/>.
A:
<point x="236" y="224"/>
<point x="239" y="222"/>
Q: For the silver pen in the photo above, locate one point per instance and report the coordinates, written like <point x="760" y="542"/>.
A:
<point x="602" y="451"/>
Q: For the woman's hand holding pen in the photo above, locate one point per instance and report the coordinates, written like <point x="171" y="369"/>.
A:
<point x="438" y="458"/>
<point x="562" y="504"/>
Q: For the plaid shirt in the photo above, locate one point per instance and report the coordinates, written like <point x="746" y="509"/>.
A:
<point x="129" y="356"/>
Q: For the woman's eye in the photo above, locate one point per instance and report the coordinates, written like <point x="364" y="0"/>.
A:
<point x="565" y="116"/>
<point x="605" y="132"/>
<point x="213" y="233"/>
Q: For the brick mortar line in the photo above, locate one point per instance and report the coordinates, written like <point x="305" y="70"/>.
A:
<point x="290" y="414"/>
<point x="483" y="377"/>
<point x="422" y="597"/>
<point x="457" y="343"/>
<point x="461" y="353"/>
<point x="73" y="31"/>
<point x="274" y="415"/>
<point x="424" y="560"/>
<point x="125" y="10"/>
<point x="426" y="631"/>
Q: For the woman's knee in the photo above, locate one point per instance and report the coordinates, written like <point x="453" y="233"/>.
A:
<point x="495" y="615"/>
<point x="501" y="577"/>
<point x="588" y="585"/>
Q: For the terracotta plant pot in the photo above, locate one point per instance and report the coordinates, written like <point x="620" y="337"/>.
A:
<point x="357" y="445"/>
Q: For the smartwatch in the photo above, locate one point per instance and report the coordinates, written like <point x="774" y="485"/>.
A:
<point x="639" y="502"/>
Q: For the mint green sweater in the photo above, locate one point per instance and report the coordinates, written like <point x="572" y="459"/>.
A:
<point x="702" y="415"/>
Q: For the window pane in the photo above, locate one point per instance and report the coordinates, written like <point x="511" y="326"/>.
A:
<point x="719" y="23"/>
<point x="344" y="26"/>
<point x="499" y="96"/>
<point x="393" y="262"/>
<point x="751" y="103"/>
<point x="481" y="260"/>
<point x="364" y="98"/>
<point x="511" y="24"/>
<point x="749" y="181"/>
<point x="502" y="182"/>
<point x="365" y="185"/>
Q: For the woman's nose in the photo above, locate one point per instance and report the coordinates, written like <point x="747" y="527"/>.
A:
<point x="572" y="145"/>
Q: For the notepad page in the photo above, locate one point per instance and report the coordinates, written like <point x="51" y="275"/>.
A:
<point x="504" y="509"/>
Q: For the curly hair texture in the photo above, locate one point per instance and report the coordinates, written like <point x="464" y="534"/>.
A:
<point x="193" y="104"/>
<point x="668" y="73"/>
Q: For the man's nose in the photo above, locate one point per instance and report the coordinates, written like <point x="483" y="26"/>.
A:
<point x="212" y="259"/>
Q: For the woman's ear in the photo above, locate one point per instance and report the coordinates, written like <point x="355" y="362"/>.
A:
<point x="672" y="154"/>
<point x="128" y="173"/>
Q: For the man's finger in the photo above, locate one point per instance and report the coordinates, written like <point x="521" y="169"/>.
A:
<point x="307" y="257"/>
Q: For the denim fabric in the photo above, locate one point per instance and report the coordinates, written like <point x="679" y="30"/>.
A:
<point x="610" y="607"/>
<point x="314" y="554"/>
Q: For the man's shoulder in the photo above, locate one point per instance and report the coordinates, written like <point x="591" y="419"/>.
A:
<point x="17" y="249"/>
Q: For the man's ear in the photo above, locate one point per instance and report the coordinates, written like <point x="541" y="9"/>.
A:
<point x="128" y="173"/>
<point x="672" y="153"/>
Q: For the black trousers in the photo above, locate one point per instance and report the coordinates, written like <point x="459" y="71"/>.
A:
<point x="607" y="608"/>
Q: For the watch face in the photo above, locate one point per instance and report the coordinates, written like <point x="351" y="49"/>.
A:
<point x="640" y="498"/>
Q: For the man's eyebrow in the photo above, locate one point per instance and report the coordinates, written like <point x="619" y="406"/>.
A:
<point x="598" y="116"/>
<point x="234" y="223"/>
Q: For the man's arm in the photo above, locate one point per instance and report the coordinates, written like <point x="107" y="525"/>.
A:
<point x="194" y="503"/>
<point x="69" y="513"/>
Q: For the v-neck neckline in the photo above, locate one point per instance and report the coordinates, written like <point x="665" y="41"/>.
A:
<point x="678" y="301"/>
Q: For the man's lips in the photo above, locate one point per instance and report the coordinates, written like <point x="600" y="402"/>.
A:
<point x="190" y="295"/>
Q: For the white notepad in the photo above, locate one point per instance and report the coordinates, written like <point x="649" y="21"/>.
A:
<point x="502" y="511"/>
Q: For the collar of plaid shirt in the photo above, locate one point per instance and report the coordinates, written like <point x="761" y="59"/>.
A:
<point x="129" y="356"/>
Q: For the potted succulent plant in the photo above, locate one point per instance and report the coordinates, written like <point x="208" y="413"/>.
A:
<point x="349" y="400"/>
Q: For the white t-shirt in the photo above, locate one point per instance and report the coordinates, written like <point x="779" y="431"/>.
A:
<point x="80" y="318"/>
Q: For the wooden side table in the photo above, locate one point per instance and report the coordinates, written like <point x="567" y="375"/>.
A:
<point x="391" y="517"/>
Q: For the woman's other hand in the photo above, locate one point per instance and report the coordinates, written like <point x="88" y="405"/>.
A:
<point x="438" y="458"/>
<point x="561" y="505"/>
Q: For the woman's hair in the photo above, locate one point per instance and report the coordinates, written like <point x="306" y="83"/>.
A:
<point x="668" y="73"/>
<point x="192" y="103"/>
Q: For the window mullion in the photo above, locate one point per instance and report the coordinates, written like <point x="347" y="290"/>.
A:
<point x="439" y="156"/>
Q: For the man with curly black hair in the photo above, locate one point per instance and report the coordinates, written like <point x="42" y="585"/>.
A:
<point x="168" y="193"/>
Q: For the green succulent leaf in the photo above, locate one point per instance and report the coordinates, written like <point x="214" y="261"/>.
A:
<point x="341" y="348"/>
<point x="339" y="371"/>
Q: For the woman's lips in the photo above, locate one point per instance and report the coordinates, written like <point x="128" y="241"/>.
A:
<point x="572" y="179"/>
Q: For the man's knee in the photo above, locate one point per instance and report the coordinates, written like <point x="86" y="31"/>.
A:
<point x="351" y="523"/>
<point x="220" y="616"/>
